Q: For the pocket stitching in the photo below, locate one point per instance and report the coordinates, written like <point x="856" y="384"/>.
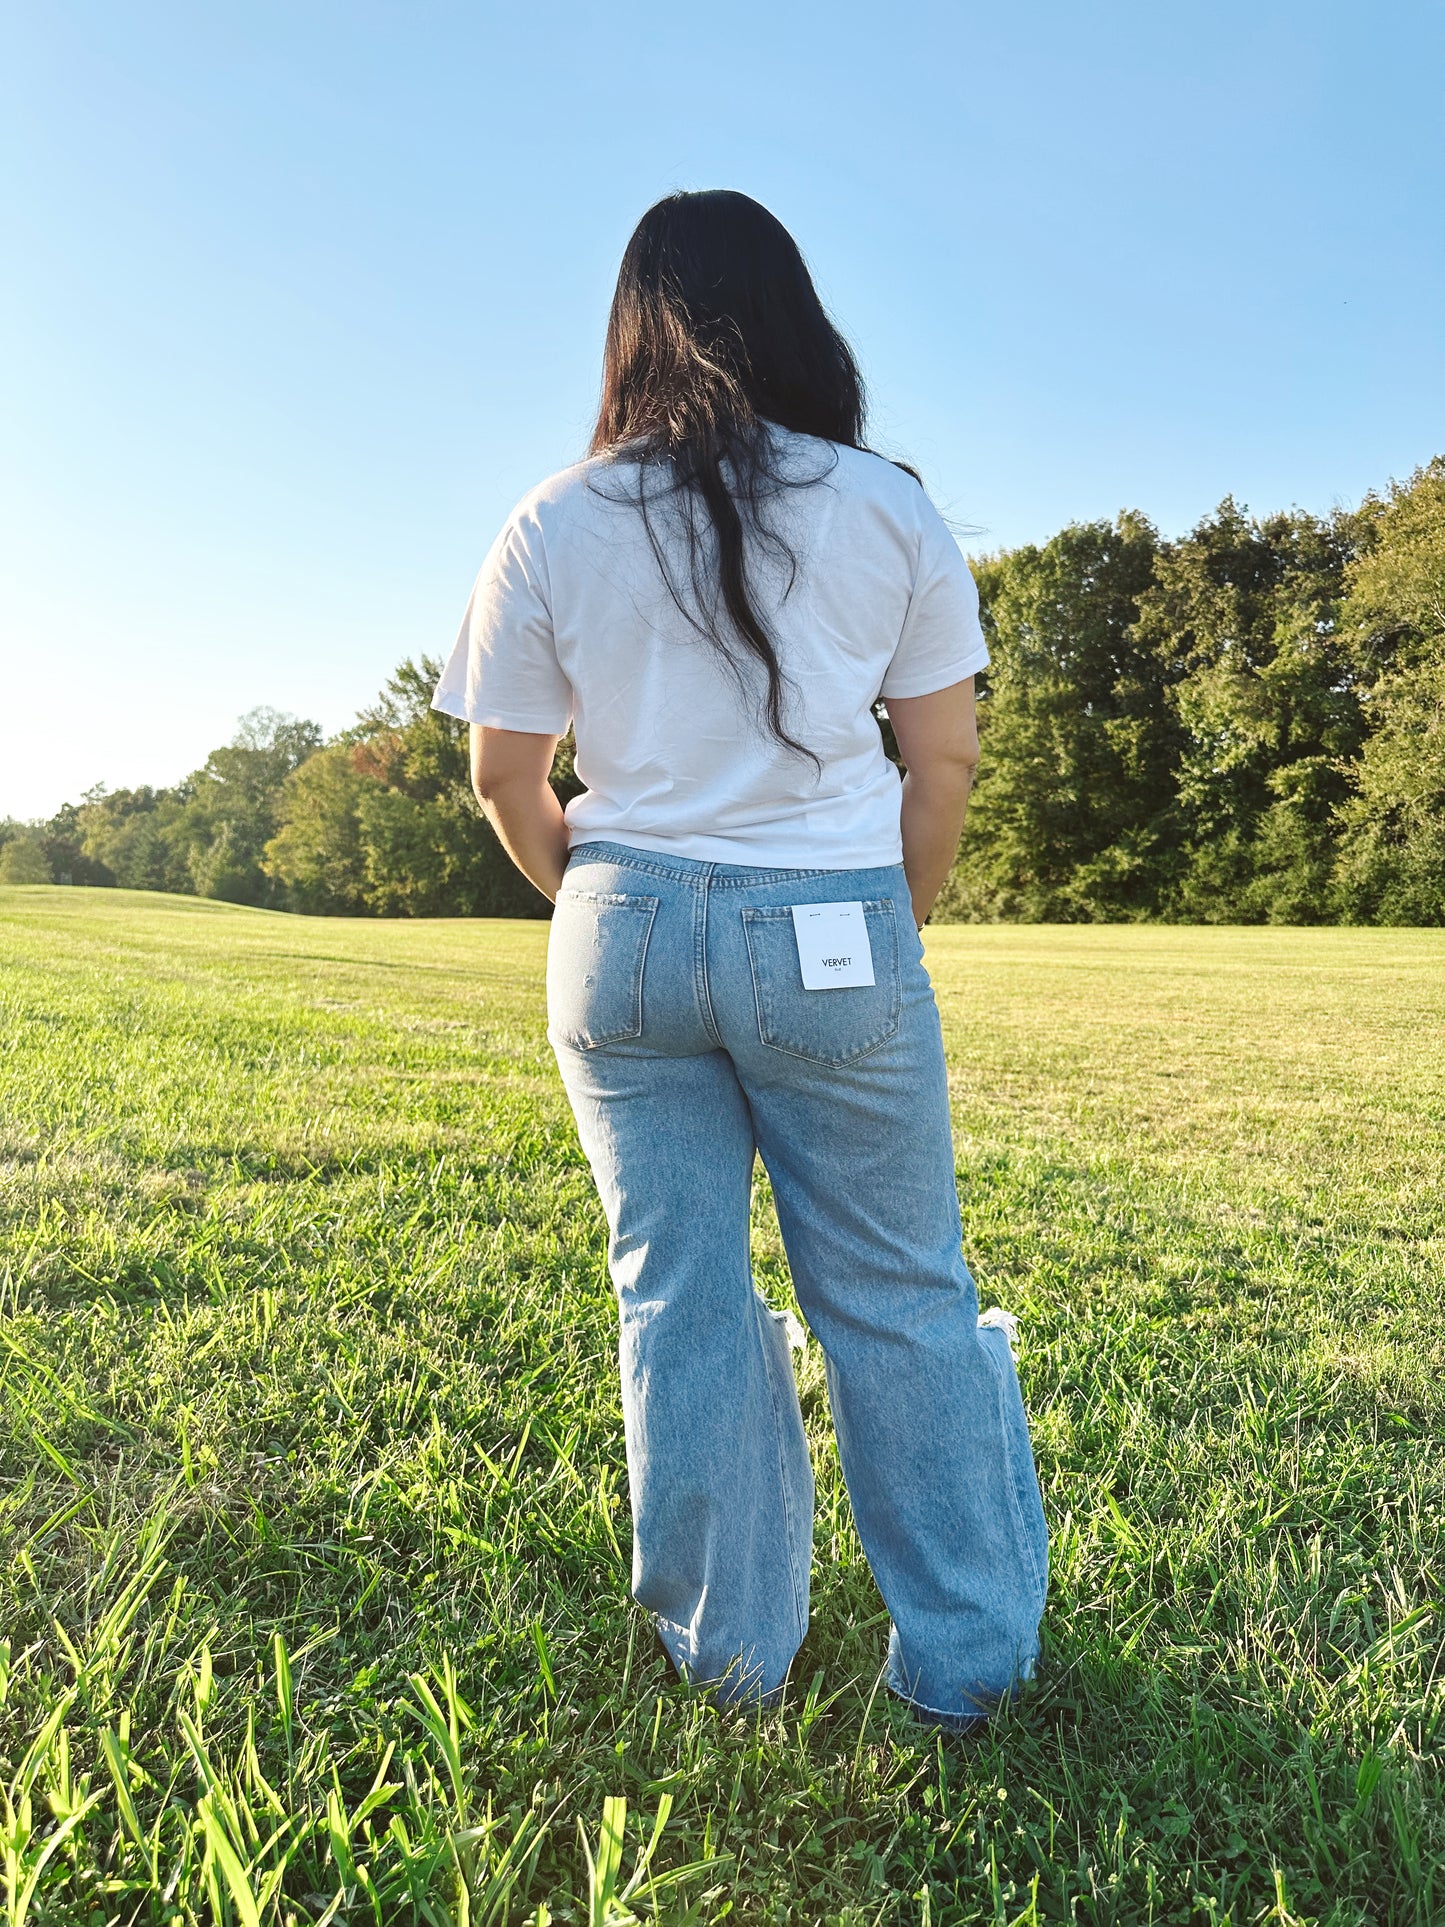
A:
<point x="603" y="896"/>
<point x="769" y="913"/>
<point x="647" y="906"/>
<point x="758" y="914"/>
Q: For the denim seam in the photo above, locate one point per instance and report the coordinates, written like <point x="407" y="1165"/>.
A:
<point x="642" y="963"/>
<point x="775" y="912"/>
<point x="564" y="895"/>
<point x="759" y="879"/>
<point x="753" y="974"/>
<point x="832" y="1063"/>
<point x="999" y="1370"/>
<point x="699" y="953"/>
<point x="774" y="1396"/>
<point x="748" y="879"/>
<point x="967" y="1720"/>
<point x="896" y="1679"/>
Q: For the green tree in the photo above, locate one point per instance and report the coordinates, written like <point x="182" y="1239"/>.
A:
<point x="429" y="850"/>
<point x="385" y="821"/>
<point x="22" y="860"/>
<point x="1071" y="816"/>
<point x="1391" y="864"/>
<point x="128" y="835"/>
<point x="317" y="854"/>
<point x="232" y="806"/>
<point x="62" y="839"/>
<point x="1241" y="615"/>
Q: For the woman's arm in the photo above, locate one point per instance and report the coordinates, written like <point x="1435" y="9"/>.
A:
<point x="510" y="768"/>
<point x="937" y="739"/>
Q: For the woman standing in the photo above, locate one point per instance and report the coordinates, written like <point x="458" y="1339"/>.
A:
<point x="714" y="601"/>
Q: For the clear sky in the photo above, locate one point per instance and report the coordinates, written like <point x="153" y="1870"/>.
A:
<point x="302" y="296"/>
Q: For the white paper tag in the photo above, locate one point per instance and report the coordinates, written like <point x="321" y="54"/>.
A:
<point x="832" y="945"/>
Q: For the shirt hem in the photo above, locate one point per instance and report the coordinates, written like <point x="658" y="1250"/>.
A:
<point x="936" y="679"/>
<point x="748" y="855"/>
<point x="495" y="719"/>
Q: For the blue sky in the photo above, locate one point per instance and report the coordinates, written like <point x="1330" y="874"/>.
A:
<point x="304" y="296"/>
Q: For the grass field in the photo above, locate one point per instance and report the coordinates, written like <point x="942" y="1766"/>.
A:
<point x="315" y="1537"/>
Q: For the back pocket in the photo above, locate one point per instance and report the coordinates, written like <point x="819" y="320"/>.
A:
<point x="596" y="951"/>
<point x="824" y="1026"/>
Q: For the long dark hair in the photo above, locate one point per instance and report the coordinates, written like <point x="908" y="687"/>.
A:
<point x="716" y="331"/>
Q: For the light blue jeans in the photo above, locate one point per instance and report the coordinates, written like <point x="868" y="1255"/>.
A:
<point x="688" y="1045"/>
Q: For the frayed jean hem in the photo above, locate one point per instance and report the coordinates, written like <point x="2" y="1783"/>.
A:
<point x="955" y="1722"/>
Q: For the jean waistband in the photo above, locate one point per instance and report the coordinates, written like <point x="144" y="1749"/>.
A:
<point x="699" y="870"/>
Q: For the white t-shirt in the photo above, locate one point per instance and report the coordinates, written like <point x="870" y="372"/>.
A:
<point x="571" y="621"/>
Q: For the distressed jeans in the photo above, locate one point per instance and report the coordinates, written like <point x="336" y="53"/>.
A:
<point x="688" y="1047"/>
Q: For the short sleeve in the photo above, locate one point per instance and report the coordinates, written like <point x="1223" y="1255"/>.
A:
<point x="942" y="640"/>
<point x="503" y="670"/>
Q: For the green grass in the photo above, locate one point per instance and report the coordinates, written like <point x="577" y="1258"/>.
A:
<point x="315" y="1537"/>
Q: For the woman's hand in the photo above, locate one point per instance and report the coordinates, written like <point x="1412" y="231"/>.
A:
<point x="510" y="768"/>
<point x="937" y="739"/>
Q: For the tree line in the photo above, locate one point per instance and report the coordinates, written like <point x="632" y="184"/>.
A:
<point x="1246" y="724"/>
<point x="379" y="821"/>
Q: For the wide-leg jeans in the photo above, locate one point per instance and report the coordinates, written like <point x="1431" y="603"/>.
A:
<point x="689" y="1046"/>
